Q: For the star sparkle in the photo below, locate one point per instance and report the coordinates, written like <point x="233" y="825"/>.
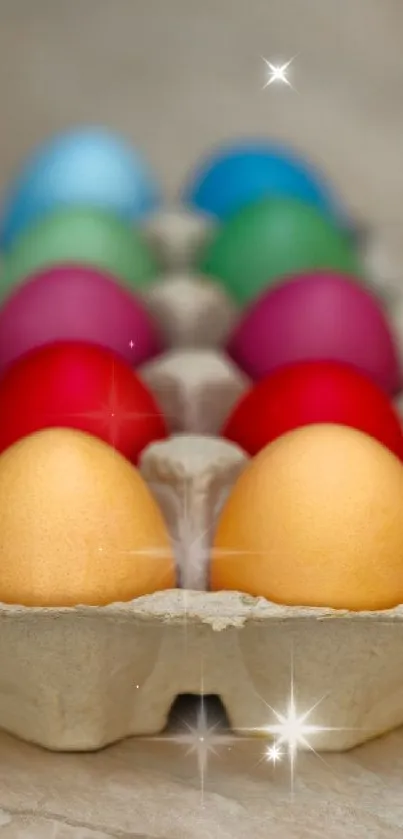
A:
<point x="278" y="73"/>
<point x="191" y="545"/>
<point x="274" y="753"/>
<point x="293" y="731"/>
<point x="113" y="414"/>
<point x="204" y="740"/>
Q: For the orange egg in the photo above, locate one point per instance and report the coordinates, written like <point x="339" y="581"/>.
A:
<point x="78" y="524"/>
<point x="315" y="519"/>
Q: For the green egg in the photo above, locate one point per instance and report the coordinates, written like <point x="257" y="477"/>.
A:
<point x="88" y="237"/>
<point x="271" y="239"/>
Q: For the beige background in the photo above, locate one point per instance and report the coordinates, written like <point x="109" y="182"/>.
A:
<point x="180" y="75"/>
<point x="177" y="76"/>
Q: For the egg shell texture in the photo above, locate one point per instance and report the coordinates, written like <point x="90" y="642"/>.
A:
<point x="76" y="303"/>
<point x="78" y="525"/>
<point x="324" y="316"/>
<point x="315" y="519"/>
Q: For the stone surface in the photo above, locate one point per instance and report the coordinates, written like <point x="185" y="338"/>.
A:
<point x="151" y="790"/>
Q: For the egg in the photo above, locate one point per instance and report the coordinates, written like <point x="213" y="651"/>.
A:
<point x="84" y="166"/>
<point x="83" y="386"/>
<point x="315" y="519"/>
<point x="82" y="236"/>
<point x="270" y="239"/>
<point x="312" y="392"/>
<point x="241" y="172"/>
<point x="76" y="303"/>
<point x="317" y="316"/>
<point x="78" y="525"/>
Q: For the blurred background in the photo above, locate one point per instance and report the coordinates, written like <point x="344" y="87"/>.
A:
<point x="177" y="76"/>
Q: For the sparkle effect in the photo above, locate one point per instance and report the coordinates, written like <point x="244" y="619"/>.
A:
<point x="292" y="731"/>
<point x="113" y="415"/>
<point x="191" y="546"/>
<point x="274" y="753"/>
<point x="278" y="73"/>
<point x="203" y="740"/>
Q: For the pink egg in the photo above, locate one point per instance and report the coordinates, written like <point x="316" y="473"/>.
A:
<point x="71" y="302"/>
<point x="321" y="316"/>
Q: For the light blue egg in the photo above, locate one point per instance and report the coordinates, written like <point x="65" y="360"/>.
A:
<point x="90" y="167"/>
<point x="244" y="172"/>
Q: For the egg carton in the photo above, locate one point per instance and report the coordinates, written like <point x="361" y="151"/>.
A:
<point x="82" y="678"/>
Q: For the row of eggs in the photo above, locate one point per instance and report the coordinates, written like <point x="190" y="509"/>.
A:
<point x="77" y="197"/>
<point x="260" y="241"/>
<point x="331" y="534"/>
<point x="82" y="385"/>
<point x="94" y="167"/>
<point x="79" y="525"/>
<point x="306" y="317"/>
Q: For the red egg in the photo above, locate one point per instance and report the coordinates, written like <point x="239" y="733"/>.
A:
<point x="82" y="386"/>
<point x="308" y="393"/>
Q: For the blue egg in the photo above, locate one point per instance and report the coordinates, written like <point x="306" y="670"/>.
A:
<point x="245" y="172"/>
<point x="89" y="167"/>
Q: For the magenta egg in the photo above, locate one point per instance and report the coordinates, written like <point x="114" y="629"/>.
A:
<point x="320" y="316"/>
<point x="75" y="303"/>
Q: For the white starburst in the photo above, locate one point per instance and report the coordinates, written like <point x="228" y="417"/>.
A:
<point x="274" y="753"/>
<point x="191" y="545"/>
<point x="203" y="740"/>
<point x="293" y="731"/>
<point x="278" y="73"/>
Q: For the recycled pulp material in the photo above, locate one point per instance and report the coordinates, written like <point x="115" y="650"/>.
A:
<point x="195" y="388"/>
<point x="79" y="679"/>
<point x="176" y="234"/>
<point x="191" y="310"/>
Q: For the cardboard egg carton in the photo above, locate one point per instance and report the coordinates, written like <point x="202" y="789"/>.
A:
<point x="82" y="678"/>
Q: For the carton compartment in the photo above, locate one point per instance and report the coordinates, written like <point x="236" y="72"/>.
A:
<point x="82" y="678"/>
